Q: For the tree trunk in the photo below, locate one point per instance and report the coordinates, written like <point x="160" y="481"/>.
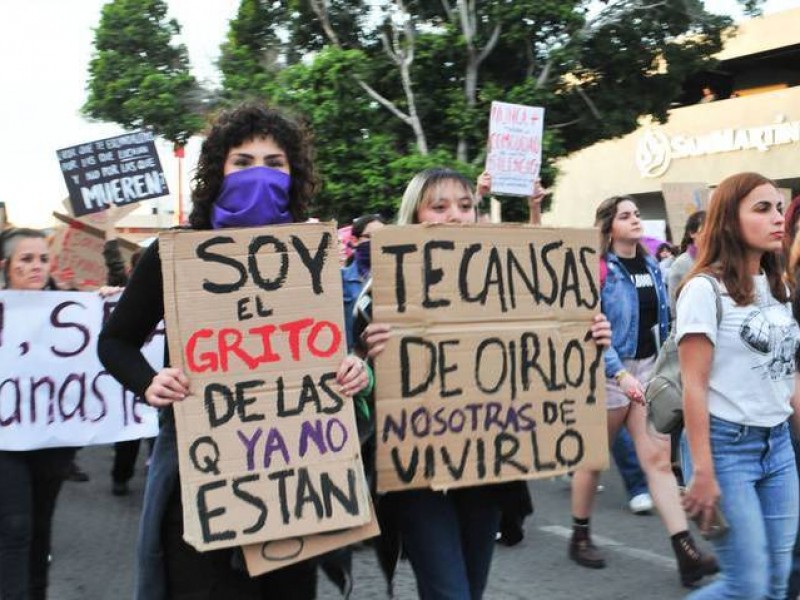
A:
<point x="467" y="21"/>
<point x="402" y="57"/>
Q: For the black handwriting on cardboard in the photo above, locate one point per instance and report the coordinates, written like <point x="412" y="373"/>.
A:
<point x="550" y="274"/>
<point x="313" y="261"/>
<point x="557" y="363"/>
<point x="300" y="494"/>
<point x="486" y="458"/>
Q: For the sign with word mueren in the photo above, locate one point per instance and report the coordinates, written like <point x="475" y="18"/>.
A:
<point x="119" y="170"/>
<point x="490" y="374"/>
<point x="267" y="446"/>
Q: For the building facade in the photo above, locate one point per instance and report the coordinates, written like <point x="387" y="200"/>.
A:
<point x="753" y="124"/>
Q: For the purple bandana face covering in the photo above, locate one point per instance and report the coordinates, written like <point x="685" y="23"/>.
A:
<point x="252" y="197"/>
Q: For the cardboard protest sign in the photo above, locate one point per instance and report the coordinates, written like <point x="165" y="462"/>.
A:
<point x="267" y="446"/>
<point x="514" y="156"/>
<point x="77" y="254"/>
<point x="119" y="170"/>
<point x="102" y="220"/>
<point x="682" y="200"/>
<point x="271" y="556"/>
<point x="53" y="390"/>
<point x="490" y="373"/>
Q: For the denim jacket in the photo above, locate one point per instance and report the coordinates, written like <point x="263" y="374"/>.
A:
<point x="352" y="284"/>
<point x="620" y="302"/>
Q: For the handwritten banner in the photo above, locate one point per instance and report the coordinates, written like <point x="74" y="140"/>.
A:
<point x="490" y="374"/>
<point x="77" y="255"/>
<point x="267" y="447"/>
<point x="119" y="170"/>
<point x="514" y="156"/>
<point x="53" y="390"/>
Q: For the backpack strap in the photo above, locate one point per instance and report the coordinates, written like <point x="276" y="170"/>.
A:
<point x="717" y="294"/>
<point x="603" y="270"/>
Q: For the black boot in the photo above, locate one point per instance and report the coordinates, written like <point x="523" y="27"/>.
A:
<point x="75" y="473"/>
<point x="693" y="565"/>
<point x="581" y="548"/>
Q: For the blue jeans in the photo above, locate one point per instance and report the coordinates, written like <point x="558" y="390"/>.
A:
<point x="757" y="477"/>
<point x="624" y="454"/>
<point x="162" y="480"/>
<point x="794" y="578"/>
<point x="449" y="539"/>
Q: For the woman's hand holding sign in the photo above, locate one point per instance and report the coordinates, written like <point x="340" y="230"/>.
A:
<point x="352" y="375"/>
<point x="375" y="337"/>
<point x="168" y="385"/>
<point x="601" y="330"/>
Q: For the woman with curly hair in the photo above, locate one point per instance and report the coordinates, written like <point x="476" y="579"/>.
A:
<point x="255" y="168"/>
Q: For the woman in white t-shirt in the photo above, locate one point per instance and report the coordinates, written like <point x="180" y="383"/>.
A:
<point x="738" y="391"/>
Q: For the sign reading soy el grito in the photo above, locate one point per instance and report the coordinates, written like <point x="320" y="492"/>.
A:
<point x="267" y="446"/>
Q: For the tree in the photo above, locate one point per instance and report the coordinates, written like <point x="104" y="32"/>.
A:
<point x="138" y="77"/>
<point x="415" y="78"/>
<point x="362" y="166"/>
<point x="253" y="48"/>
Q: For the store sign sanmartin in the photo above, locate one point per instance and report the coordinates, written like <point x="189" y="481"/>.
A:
<point x="656" y="150"/>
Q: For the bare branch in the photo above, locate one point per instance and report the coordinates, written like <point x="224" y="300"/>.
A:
<point x="401" y="52"/>
<point x="383" y="101"/>
<point x="545" y="74"/>
<point x="320" y="8"/>
<point x="448" y="10"/>
<point x="490" y="45"/>
<point x="467" y="26"/>
<point x="565" y="123"/>
<point x="589" y="102"/>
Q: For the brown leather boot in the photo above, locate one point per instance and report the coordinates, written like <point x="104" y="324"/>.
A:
<point x="693" y="565"/>
<point x="585" y="553"/>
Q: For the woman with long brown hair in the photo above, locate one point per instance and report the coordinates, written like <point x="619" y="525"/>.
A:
<point x="634" y="299"/>
<point x="738" y="371"/>
<point x="31" y="479"/>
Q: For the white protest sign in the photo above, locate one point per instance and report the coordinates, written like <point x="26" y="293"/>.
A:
<point x="514" y="156"/>
<point x="53" y="390"/>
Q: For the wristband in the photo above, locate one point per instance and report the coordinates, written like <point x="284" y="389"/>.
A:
<point x="620" y="374"/>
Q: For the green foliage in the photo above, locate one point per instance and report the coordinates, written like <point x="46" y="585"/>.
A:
<point x="137" y="77"/>
<point x="250" y="54"/>
<point x="354" y="152"/>
<point x="595" y="67"/>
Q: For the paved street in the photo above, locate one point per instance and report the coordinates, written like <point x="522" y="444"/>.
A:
<point x="93" y="548"/>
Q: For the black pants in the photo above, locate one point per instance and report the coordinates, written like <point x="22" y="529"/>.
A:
<point x="29" y="485"/>
<point x="192" y="575"/>
<point x="125" y="454"/>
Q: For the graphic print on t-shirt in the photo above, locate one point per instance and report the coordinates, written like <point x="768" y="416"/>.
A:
<point x="642" y="280"/>
<point x="777" y="342"/>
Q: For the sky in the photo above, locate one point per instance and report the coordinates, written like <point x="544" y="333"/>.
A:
<point x="46" y="46"/>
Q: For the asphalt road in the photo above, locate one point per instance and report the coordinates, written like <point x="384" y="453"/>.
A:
<point x="95" y="532"/>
